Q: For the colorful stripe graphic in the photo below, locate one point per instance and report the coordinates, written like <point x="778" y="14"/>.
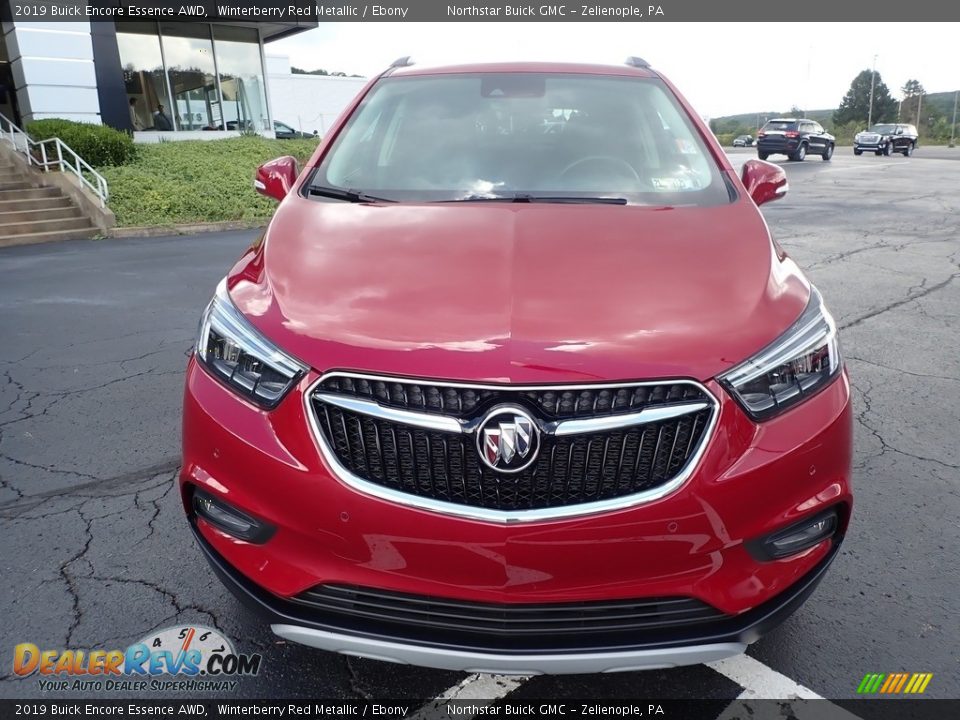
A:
<point x="894" y="683"/>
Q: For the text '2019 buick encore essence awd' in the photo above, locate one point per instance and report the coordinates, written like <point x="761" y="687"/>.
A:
<point x="517" y="381"/>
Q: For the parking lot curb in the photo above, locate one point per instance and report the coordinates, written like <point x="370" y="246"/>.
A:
<point x="143" y="231"/>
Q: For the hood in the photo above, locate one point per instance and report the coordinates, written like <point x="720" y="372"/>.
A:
<point x="523" y="293"/>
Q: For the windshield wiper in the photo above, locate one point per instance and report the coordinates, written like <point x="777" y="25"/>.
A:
<point x="528" y="198"/>
<point x="571" y="199"/>
<point x="355" y="196"/>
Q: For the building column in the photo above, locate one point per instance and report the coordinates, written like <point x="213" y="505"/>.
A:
<point x="111" y="89"/>
<point x="53" y="70"/>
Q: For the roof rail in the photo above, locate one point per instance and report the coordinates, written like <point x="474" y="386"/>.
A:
<point x="404" y="61"/>
<point x="637" y="62"/>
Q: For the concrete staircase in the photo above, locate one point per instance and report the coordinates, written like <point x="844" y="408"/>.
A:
<point x="31" y="214"/>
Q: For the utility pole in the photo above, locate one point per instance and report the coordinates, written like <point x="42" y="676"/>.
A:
<point x="953" y="127"/>
<point x="919" y="103"/>
<point x="873" y="77"/>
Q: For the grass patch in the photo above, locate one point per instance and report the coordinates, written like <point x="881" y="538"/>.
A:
<point x="196" y="180"/>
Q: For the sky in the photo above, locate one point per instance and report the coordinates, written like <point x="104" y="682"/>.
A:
<point x="722" y="68"/>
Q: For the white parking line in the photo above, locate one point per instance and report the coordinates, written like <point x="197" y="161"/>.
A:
<point x="834" y="169"/>
<point x="760" y="682"/>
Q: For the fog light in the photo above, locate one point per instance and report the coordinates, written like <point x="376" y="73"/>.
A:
<point x="232" y="521"/>
<point x="796" y="538"/>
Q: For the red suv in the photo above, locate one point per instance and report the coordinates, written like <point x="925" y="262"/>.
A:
<point x="517" y="381"/>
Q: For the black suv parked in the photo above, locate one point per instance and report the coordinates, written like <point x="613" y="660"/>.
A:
<point x="886" y="138"/>
<point x="794" y="138"/>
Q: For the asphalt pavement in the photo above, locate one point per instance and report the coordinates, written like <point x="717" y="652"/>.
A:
<point x="96" y="552"/>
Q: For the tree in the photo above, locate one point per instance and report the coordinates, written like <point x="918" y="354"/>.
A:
<point x="912" y="88"/>
<point x="913" y="96"/>
<point x="855" y="106"/>
<point x="300" y="71"/>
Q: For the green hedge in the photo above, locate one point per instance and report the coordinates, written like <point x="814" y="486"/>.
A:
<point x="99" y="145"/>
<point x="196" y="180"/>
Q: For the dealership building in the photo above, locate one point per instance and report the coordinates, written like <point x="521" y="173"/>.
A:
<point x="160" y="79"/>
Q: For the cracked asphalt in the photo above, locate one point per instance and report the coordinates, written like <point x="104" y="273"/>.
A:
<point x="96" y="553"/>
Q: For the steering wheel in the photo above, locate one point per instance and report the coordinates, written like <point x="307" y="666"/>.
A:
<point x="619" y="165"/>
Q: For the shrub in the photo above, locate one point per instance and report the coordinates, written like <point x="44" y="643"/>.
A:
<point x="197" y="180"/>
<point x="99" y="145"/>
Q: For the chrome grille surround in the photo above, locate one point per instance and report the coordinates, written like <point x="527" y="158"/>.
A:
<point x="560" y="429"/>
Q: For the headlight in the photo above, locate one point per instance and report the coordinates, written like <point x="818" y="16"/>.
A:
<point x="797" y="365"/>
<point x="236" y="353"/>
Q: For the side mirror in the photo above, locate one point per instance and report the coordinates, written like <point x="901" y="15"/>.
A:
<point x="764" y="181"/>
<point x="275" y="178"/>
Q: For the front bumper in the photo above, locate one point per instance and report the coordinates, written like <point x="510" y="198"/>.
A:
<point x="708" y="643"/>
<point x="778" y="147"/>
<point x="752" y="480"/>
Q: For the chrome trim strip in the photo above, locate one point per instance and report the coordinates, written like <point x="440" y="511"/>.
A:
<point x="501" y="664"/>
<point x="443" y="423"/>
<point x="504" y="517"/>
<point x="509" y="386"/>
<point x="614" y="422"/>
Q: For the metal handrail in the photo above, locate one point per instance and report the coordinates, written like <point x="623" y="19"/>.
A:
<point x="66" y="158"/>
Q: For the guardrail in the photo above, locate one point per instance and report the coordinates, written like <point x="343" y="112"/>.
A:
<point x="54" y="153"/>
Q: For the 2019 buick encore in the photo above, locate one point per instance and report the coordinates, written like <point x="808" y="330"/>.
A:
<point x="516" y="380"/>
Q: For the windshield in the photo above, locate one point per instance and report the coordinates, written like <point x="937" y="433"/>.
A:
<point x="488" y="136"/>
<point x="884" y="129"/>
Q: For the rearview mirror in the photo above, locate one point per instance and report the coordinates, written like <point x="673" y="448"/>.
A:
<point x="275" y="178"/>
<point x="764" y="181"/>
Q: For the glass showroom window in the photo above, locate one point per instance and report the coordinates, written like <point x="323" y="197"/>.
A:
<point x="241" y="78"/>
<point x="143" y="75"/>
<point x="188" y="52"/>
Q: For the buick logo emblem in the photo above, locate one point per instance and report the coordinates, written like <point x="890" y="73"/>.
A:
<point x="508" y="440"/>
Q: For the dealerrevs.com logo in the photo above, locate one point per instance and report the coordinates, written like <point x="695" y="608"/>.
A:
<point x="182" y="658"/>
